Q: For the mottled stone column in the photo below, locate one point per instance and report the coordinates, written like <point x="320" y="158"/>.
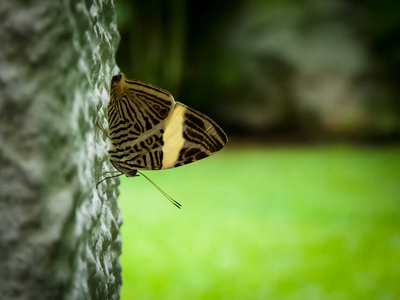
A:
<point x="59" y="236"/>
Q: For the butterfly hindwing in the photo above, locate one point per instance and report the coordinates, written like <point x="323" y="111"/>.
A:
<point x="150" y="131"/>
<point x="190" y="136"/>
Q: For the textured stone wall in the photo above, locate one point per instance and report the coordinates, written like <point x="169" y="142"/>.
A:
<point x="59" y="236"/>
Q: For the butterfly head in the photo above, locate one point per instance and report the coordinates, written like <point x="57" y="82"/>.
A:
<point x="117" y="78"/>
<point x="117" y="82"/>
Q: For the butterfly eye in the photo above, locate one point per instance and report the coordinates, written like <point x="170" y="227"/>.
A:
<point x="116" y="78"/>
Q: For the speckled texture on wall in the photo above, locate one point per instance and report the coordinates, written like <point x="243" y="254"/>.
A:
<point x="59" y="236"/>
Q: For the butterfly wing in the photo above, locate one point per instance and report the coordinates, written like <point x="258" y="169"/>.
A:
<point x="150" y="131"/>
<point x="190" y="136"/>
<point x="137" y="116"/>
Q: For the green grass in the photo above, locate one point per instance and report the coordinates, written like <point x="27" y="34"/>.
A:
<point x="262" y="223"/>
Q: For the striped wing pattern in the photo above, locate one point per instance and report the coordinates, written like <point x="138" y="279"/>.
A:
<point x="150" y="131"/>
<point x="197" y="137"/>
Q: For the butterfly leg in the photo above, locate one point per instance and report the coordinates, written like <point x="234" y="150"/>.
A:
<point x="108" y="172"/>
<point x="102" y="129"/>
<point x="108" y="176"/>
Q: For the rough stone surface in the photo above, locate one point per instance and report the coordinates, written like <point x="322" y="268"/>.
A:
<point x="59" y="236"/>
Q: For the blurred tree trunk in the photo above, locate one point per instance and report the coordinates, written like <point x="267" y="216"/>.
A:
<point x="59" y="236"/>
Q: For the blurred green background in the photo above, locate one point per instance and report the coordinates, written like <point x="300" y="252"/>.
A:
<point x="304" y="201"/>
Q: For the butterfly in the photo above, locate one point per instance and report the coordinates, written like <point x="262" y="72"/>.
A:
<point x="149" y="130"/>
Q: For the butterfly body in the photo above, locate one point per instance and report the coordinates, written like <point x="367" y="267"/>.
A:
<point x="149" y="130"/>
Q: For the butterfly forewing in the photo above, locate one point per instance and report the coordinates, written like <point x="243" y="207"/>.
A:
<point x="137" y="113"/>
<point x="150" y="131"/>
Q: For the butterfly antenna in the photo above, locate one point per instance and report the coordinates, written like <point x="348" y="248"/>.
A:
<point x="176" y="203"/>
<point x="108" y="177"/>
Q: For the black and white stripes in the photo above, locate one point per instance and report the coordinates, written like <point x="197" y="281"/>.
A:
<point x="150" y="131"/>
